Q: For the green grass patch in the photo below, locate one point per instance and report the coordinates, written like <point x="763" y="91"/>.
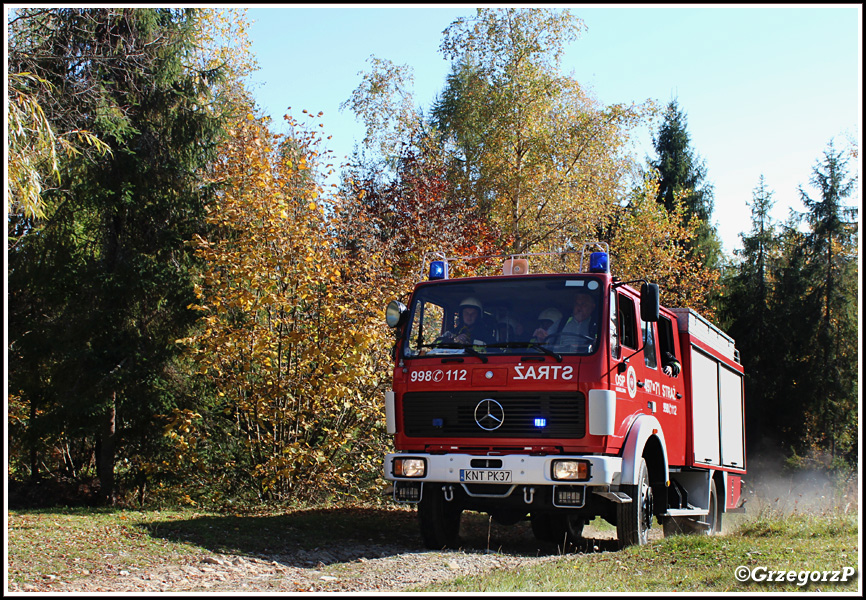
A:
<point x="696" y="563"/>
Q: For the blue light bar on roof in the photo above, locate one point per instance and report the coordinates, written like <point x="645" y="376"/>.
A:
<point x="438" y="269"/>
<point x="598" y="262"/>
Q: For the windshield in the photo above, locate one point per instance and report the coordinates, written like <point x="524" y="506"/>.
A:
<point x="548" y="315"/>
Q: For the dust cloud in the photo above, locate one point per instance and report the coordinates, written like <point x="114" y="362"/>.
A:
<point x="772" y="485"/>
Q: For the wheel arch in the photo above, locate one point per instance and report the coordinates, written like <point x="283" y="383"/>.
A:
<point x="645" y="440"/>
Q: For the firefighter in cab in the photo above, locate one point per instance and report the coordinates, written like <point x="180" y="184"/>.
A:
<point x="470" y="328"/>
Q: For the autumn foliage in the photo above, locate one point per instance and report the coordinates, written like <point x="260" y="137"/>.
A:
<point x="188" y="220"/>
<point x="649" y="242"/>
<point x="290" y="339"/>
<point x="412" y="215"/>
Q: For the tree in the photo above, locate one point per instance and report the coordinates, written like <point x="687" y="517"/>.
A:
<point x="749" y="315"/>
<point x="831" y="277"/>
<point x="531" y="151"/>
<point x="45" y="124"/>
<point x="791" y="303"/>
<point x="683" y="173"/>
<point x="528" y="150"/>
<point x="648" y="242"/>
<point x="384" y="102"/>
<point x="410" y="215"/>
<point x="100" y="289"/>
<point x="35" y="147"/>
<point x="292" y="338"/>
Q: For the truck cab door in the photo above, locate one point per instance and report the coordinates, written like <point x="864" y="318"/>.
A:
<point x="672" y="411"/>
<point x="626" y="362"/>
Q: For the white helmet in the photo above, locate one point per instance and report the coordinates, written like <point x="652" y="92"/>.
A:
<point x="551" y="314"/>
<point x="474" y="302"/>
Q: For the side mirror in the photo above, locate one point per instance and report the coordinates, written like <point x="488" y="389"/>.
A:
<point x="649" y="302"/>
<point x="395" y="313"/>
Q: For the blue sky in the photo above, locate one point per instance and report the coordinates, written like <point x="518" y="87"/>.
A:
<point x="765" y="88"/>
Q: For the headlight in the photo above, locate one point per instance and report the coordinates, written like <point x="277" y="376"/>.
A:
<point x="570" y="470"/>
<point x="410" y="467"/>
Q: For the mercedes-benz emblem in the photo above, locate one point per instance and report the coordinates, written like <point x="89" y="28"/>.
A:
<point x="489" y="414"/>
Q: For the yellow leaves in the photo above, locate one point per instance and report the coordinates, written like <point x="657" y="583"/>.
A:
<point x="651" y="243"/>
<point x="286" y="338"/>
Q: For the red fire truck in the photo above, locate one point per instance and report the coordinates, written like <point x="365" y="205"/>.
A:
<point x="558" y="398"/>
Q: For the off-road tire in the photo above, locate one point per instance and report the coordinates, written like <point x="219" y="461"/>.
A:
<point x="697" y="526"/>
<point x="440" y="519"/>
<point x="558" y="528"/>
<point x="634" y="519"/>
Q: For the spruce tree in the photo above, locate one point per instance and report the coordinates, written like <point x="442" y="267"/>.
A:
<point x="830" y="248"/>
<point x="99" y="290"/>
<point x="683" y="177"/>
<point x="746" y="314"/>
<point x="790" y="301"/>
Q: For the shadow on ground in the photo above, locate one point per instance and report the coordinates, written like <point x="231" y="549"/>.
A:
<point x="319" y="537"/>
<point x="480" y="533"/>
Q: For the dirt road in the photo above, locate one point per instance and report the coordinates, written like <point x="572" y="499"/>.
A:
<point x="340" y="567"/>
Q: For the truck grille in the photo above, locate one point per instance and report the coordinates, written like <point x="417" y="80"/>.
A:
<point x="535" y="416"/>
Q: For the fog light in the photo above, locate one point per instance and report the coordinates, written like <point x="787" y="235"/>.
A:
<point x="568" y="495"/>
<point x="571" y="470"/>
<point x="410" y="467"/>
<point x="407" y="491"/>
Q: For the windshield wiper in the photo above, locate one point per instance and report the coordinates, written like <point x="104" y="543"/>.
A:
<point x="467" y="348"/>
<point x="533" y="345"/>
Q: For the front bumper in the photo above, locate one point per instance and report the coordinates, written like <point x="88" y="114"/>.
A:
<point x="524" y="469"/>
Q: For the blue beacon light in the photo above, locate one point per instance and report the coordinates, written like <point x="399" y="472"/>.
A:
<point x="598" y="262"/>
<point x="540" y="422"/>
<point x="438" y="269"/>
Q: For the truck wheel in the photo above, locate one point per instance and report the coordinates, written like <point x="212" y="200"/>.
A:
<point x="714" y="517"/>
<point x="508" y="517"/>
<point x="711" y="524"/>
<point x="557" y="528"/>
<point x="440" y="520"/>
<point x="634" y="519"/>
<point x="542" y="527"/>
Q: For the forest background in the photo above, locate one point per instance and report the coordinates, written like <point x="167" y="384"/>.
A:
<point x="194" y="317"/>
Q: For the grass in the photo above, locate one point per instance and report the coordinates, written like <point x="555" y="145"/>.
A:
<point x="70" y="543"/>
<point x="65" y="544"/>
<point x="767" y="542"/>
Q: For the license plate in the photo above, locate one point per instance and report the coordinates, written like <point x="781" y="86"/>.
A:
<point x="485" y="476"/>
